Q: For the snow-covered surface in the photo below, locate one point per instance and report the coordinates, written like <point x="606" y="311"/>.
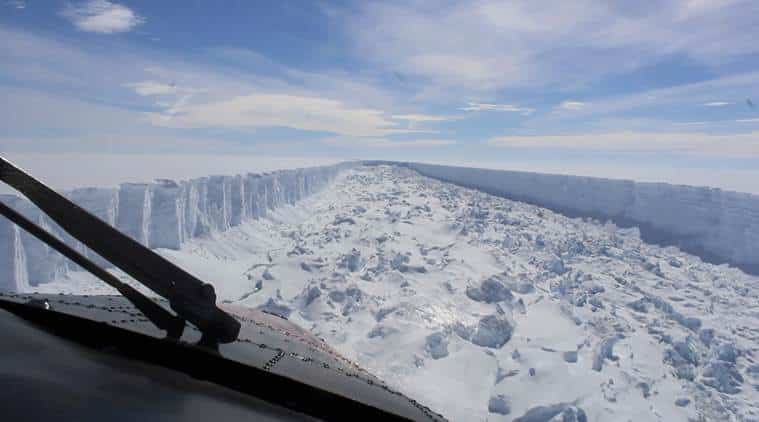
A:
<point x="488" y="309"/>
<point x="718" y="225"/>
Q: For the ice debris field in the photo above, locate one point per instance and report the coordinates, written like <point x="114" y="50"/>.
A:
<point x="481" y="307"/>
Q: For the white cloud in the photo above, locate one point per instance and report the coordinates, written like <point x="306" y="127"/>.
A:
<point x="740" y="144"/>
<point x="185" y="94"/>
<point x="17" y="4"/>
<point x="697" y="123"/>
<point x="571" y="105"/>
<point x="755" y="120"/>
<point x="680" y="95"/>
<point x="716" y="104"/>
<point x="421" y="117"/>
<point x="497" y="107"/>
<point x="279" y="110"/>
<point x="388" y="143"/>
<point x="482" y="45"/>
<point x="101" y="16"/>
<point x="150" y="88"/>
<point x="453" y="69"/>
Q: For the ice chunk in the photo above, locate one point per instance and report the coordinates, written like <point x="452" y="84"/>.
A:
<point x="493" y="331"/>
<point x="605" y="351"/>
<point x="723" y="377"/>
<point x="275" y="308"/>
<point x="706" y="335"/>
<point x="568" y="413"/>
<point x="381" y="331"/>
<point x="351" y="261"/>
<point x="311" y="295"/>
<point x="337" y="295"/>
<point x="499" y="404"/>
<point x="688" y="350"/>
<point x="727" y="351"/>
<point x="682" y="402"/>
<point x="491" y="290"/>
<point x="437" y="345"/>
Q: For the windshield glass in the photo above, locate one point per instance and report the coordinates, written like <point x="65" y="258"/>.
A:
<point x="502" y="209"/>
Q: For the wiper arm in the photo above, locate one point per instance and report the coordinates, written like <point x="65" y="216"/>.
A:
<point x="192" y="299"/>
<point x="163" y="319"/>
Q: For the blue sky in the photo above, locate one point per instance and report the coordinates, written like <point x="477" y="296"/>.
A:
<point x="616" y="89"/>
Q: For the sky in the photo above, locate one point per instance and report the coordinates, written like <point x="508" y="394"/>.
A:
<point x="655" y="91"/>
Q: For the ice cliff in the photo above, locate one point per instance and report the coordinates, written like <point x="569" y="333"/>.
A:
<point x="717" y="225"/>
<point x="162" y="214"/>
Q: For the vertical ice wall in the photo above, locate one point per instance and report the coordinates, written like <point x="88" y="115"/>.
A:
<point x="14" y="276"/>
<point x="219" y="202"/>
<point x="21" y="246"/>
<point x="719" y="226"/>
<point x="239" y="212"/>
<point x="250" y="190"/>
<point x="166" y="221"/>
<point x="162" y="214"/>
<point x="133" y="217"/>
<point x="195" y="208"/>
<point x="104" y="204"/>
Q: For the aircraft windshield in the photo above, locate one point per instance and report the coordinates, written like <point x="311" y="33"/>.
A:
<point x="505" y="210"/>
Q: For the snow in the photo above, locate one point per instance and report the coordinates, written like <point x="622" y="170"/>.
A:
<point x="597" y="324"/>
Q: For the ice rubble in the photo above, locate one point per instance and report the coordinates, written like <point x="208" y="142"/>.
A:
<point x="162" y="214"/>
<point x="718" y="225"/>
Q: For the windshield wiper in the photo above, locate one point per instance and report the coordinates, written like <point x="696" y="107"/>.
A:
<point x="163" y="319"/>
<point x="192" y="299"/>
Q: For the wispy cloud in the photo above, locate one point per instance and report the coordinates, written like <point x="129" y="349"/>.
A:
<point x="149" y="88"/>
<point x="388" y="143"/>
<point x="741" y="144"/>
<point x="484" y="45"/>
<point x="279" y="110"/>
<point x="497" y="107"/>
<point x="699" y="123"/>
<point x="571" y="105"/>
<point x="183" y="95"/>
<point x="17" y="4"/>
<point x="701" y="92"/>
<point x="754" y="120"/>
<point x="716" y="104"/>
<point x="101" y="16"/>
<point x="421" y="118"/>
<point x="171" y="98"/>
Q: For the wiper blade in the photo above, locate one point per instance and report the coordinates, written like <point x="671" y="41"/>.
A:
<point x="190" y="298"/>
<point x="163" y="319"/>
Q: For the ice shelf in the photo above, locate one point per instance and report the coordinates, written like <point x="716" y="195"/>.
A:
<point x="162" y="214"/>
